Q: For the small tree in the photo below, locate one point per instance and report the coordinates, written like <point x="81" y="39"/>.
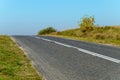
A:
<point x="47" y="30"/>
<point x="87" y="24"/>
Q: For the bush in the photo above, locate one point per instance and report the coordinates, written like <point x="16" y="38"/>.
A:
<point x="47" y="31"/>
<point x="87" y="24"/>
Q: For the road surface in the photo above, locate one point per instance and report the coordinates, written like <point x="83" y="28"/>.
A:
<point x="64" y="59"/>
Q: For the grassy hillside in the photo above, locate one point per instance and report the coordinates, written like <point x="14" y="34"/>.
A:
<point x="107" y="35"/>
<point x="14" y="65"/>
<point x="100" y="33"/>
<point x="88" y="31"/>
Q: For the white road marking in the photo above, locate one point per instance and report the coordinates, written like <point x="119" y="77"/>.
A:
<point x="83" y="50"/>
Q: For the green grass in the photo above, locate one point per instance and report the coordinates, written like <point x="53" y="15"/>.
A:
<point x="109" y="35"/>
<point x="14" y="65"/>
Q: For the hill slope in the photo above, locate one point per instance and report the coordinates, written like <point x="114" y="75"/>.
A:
<point x="106" y="35"/>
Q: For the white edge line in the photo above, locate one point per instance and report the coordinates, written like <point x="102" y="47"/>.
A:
<point x="83" y="50"/>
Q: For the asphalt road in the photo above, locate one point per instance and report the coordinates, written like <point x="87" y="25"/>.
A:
<point x="57" y="61"/>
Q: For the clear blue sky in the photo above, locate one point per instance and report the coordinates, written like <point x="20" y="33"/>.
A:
<point x="29" y="16"/>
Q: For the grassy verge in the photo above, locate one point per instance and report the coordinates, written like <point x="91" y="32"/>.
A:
<point x="105" y="42"/>
<point x="109" y="35"/>
<point x="14" y="65"/>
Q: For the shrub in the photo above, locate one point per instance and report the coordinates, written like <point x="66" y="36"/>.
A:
<point x="87" y="24"/>
<point x="47" y="30"/>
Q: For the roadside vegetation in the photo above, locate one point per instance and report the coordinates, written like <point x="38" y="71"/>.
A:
<point x="47" y="30"/>
<point x="90" y="32"/>
<point x="14" y="65"/>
